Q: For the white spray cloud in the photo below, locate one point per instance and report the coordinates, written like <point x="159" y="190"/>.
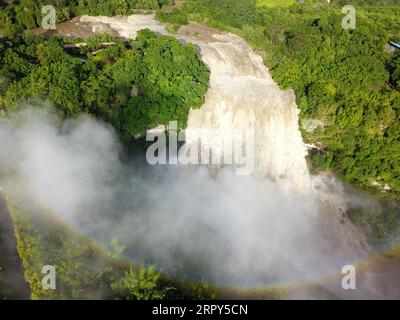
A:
<point x="231" y="229"/>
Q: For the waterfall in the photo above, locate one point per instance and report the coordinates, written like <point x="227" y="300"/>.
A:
<point x="243" y="96"/>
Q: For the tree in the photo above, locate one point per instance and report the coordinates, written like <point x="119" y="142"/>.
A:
<point x="119" y="7"/>
<point x="140" y="284"/>
<point x="25" y="14"/>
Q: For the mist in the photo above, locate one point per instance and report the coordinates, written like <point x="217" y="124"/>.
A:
<point x="232" y="230"/>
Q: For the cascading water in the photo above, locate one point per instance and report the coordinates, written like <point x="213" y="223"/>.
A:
<point x="243" y="96"/>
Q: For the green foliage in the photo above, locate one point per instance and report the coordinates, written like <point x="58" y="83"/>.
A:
<point x="134" y="85"/>
<point x="117" y="248"/>
<point x="203" y="291"/>
<point x="81" y="271"/>
<point x="171" y="79"/>
<point x="231" y="13"/>
<point x="140" y="284"/>
<point x="394" y="67"/>
<point x="276" y="3"/>
<point x="175" y="17"/>
<point x="382" y="223"/>
<point x="29" y="249"/>
<point x="51" y="73"/>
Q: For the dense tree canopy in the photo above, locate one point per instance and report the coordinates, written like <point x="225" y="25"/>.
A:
<point x="234" y="13"/>
<point x="133" y="85"/>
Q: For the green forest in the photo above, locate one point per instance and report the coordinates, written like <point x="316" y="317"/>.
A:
<point x="133" y="85"/>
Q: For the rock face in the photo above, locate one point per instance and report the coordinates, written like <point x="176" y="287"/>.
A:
<point x="243" y="97"/>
